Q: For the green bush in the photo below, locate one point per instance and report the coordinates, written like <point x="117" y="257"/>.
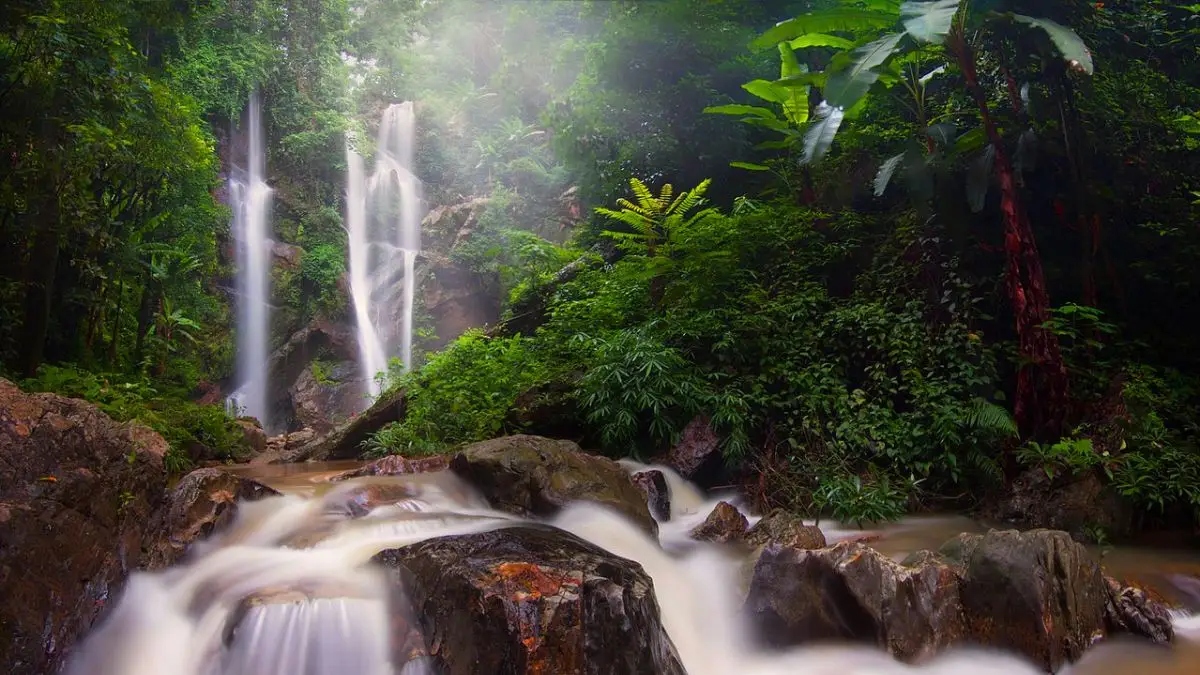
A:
<point x="179" y="421"/>
<point x="462" y="394"/>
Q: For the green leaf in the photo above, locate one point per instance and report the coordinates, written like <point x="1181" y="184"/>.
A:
<point x="738" y="109"/>
<point x="840" y="19"/>
<point x="749" y="167"/>
<point x="788" y="65"/>
<point x="929" y="21"/>
<point x="847" y="86"/>
<point x="886" y="171"/>
<point x="1068" y="43"/>
<point x="767" y="90"/>
<point x="819" y="137"/>
<point x="820" y="40"/>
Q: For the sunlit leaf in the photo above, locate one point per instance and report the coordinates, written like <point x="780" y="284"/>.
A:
<point x="738" y="109"/>
<point x="845" y="87"/>
<point x="929" y="21"/>
<point x="767" y="90"/>
<point x="932" y="74"/>
<point x="828" y="21"/>
<point x="970" y="141"/>
<point x="819" y="137"/>
<point x="821" y="40"/>
<point x="886" y="171"/>
<point x="749" y="166"/>
<point x="979" y="177"/>
<point x="1068" y="43"/>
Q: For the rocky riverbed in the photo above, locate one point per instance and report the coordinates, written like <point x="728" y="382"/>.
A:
<point x="567" y="562"/>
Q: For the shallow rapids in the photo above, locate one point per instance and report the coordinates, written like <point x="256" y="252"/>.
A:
<point x="289" y="589"/>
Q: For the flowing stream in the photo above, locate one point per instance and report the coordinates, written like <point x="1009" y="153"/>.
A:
<point x="250" y="199"/>
<point x="383" y="221"/>
<point x="288" y="590"/>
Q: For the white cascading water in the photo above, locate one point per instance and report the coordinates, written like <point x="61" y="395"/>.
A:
<point x="317" y="607"/>
<point x="250" y="199"/>
<point x="383" y="221"/>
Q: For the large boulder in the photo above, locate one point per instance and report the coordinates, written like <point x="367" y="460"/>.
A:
<point x="326" y="395"/>
<point x="345" y="442"/>
<point x="1076" y="503"/>
<point x="202" y="502"/>
<point x="851" y="592"/>
<point x="318" y="340"/>
<point x="1036" y="592"/>
<point x="786" y="529"/>
<point x="536" y="476"/>
<point x="77" y="491"/>
<point x="529" y="601"/>
<point x="456" y="299"/>
<point x="1131" y="610"/>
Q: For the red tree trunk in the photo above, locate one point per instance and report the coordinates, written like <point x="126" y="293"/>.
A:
<point x="1041" y="399"/>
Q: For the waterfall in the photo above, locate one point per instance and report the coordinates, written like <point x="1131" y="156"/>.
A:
<point x="250" y="198"/>
<point x="383" y="221"/>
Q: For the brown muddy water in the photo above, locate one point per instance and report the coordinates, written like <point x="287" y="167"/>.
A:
<point x="1173" y="574"/>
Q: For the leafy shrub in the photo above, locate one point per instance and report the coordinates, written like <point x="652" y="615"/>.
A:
<point x="462" y="394"/>
<point x="179" y="421"/>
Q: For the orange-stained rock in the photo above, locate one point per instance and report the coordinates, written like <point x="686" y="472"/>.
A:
<point x="395" y="465"/>
<point x="786" y="529"/>
<point x="204" y="501"/>
<point x="77" y="491"/>
<point x="724" y="524"/>
<point x="530" y="601"/>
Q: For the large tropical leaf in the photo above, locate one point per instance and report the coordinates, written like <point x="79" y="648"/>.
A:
<point x="738" y="109"/>
<point x="942" y="133"/>
<point x="886" y="171"/>
<point x="827" y="21"/>
<point x="821" y="40"/>
<point x="929" y="21"/>
<point x="795" y="108"/>
<point x="1068" y="43"/>
<point x="768" y="91"/>
<point x="845" y="87"/>
<point x="824" y="127"/>
<point x="979" y="177"/>
<point x="788" y="65"/>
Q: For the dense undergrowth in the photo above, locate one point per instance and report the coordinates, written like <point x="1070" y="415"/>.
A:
<point x="843" y="357"/>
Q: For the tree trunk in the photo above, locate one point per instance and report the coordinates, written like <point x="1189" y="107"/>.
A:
<point x="1041" y="400"/>
<point x="146" y="310"/>
<point x="40" y="271"/>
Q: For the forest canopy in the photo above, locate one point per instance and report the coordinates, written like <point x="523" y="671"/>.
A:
<point x="897" y="255"/>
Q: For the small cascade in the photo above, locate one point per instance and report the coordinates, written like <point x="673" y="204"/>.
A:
<point x="289" y="589"/>
<point x="383" y="221"/>
<point x="250" y="199"/>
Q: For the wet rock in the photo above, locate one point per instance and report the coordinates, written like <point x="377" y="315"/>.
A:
<point x="321" y="400"/>
<point x="253" y="432"/>
<point x="851" y="592"/>
<point x="724" y="524"/>
<point x="456" y="298"/>
<point x="786" y="529"/>
<point x="285" y="255"/>
<point x="77" y="490"/>
<point x="532" y="475"/>
<point x="203" y="502"/>
<point x="653" y="484"/>
<point x="1036" y="592"/>
<point x="345" y="442"/>
<point x="1131" y="610"/>
<point x="318" y="340"/>
<point x="531" y="601"/>
<point x="698" y="451"/>
<point x="1074" y="503"/>
<point x="395" y="465"/>
<point x="283" y="445"/>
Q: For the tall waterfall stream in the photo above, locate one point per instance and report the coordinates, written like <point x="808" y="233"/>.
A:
<point x="322" y="608"/>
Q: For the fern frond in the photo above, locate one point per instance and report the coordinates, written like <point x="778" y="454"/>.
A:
<point x="987" y="416"/>
<point x="630" y="206"/>
<point x="645" y="197"/>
